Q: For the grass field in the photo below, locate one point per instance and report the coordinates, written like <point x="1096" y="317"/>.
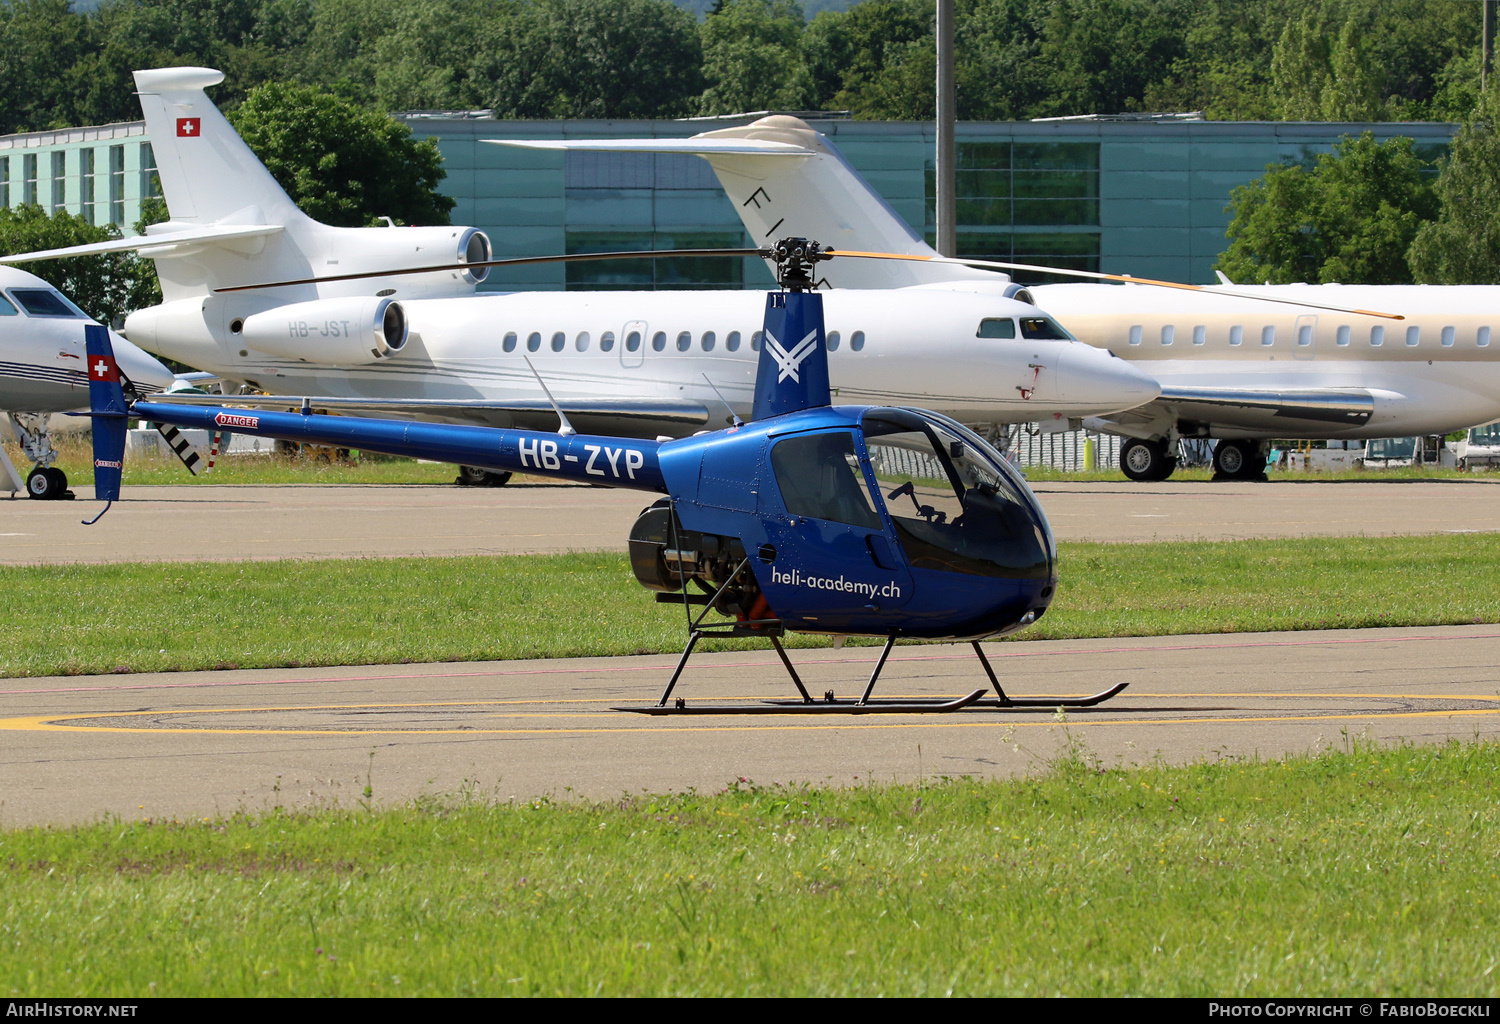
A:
<point x="173" y="616"/>
<point x="1358" y="872"/>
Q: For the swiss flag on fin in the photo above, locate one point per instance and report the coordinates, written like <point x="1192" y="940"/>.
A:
<point x="103" y="368"/>
<point x="189" y="127"/>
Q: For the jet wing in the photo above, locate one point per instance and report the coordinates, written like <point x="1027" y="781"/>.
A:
<point x="212" y="233"/>
<point x="694" y="146"/>
<point x="1286" y="412"/>
<point x="632" y="417"/>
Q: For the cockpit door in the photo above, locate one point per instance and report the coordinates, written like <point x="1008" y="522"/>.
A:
<point x="833" y="550"/>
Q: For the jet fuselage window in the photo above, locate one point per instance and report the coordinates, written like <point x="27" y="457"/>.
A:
<point x="1167" y="333"/>
<point x="533" y="341"/>
<point x="1343" y="335"/>
<point x="1414" y="336"/>
<point x="708" y="341"/>
<point x="1043" y="328"/>
<point x="44" y="302"/>
<point x="633" y="341"/>
<point x="1448" y="334"/>
<point x="6" y="309"/>
<point x="559" y="341"/>
<point x="1268" y="335"/>
<point x="1236" y="334"/>
<point x="833" y="341"/>
<point x="1136" y="331"/>
<point x="1377" y="336"/>
<point x="607" y="341"/>
<point x="684" y="341"/>
<point x="659" y="341"/>
<point x="1200" y="334"/>
<point x="995" y="327"/>
<point x="857" y="341"/>
<point x="509" y="344"/>
<point x="755" y="341"/>
<point x="1482" y="339"/>
<point x="582" y="341"/>
<point x="732" y="343"/>
<point x="1305" y="335"/>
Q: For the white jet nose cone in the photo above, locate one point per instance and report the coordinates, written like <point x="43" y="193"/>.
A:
<point x="140" y="366"/>
<point x="1090" y="378"/>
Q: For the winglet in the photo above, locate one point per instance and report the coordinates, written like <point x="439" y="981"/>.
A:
<point x="793" y="370"/>
<point x="108" y="410"/>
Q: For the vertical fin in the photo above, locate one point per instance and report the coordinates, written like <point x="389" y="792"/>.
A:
<point x="108" y="410"/>
<point x="793" y="370"/>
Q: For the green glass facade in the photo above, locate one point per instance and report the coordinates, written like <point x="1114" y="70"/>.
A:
<point x="1139" y="197"/>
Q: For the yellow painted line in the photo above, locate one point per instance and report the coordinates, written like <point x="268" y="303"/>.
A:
<point x="62" y="723"/>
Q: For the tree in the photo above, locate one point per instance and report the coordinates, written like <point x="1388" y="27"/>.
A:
<point x="342" y="165"/>
<point x="105" y="287"/>
<point x="1350" y="219"/>
<point x="752" y="58"/>
<point x="1463" y="245"/>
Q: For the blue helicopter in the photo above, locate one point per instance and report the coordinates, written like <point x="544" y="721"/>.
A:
<point x="841" y="520"/>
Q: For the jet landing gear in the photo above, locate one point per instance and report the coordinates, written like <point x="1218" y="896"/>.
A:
<point x="472" y="476"/>
<point x="48" y="484"/>
<point x="1240" y="460"/>
<point x="45" y="482"/>
<point x="1147" y="460"/>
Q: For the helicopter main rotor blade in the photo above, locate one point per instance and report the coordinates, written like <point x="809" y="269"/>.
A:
<point x="960" y="261"/>
<point x="578" y="257"/>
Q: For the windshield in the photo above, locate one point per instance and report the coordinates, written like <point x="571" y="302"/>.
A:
<point x="955" y="505"/>
<point x="45" y="302"/>
<point x="1392" y="448"/>
<point x="1487" y="435"/>
<point x="1043" y="328"/>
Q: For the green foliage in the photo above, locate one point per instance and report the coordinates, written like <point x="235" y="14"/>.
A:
<point x="1357" y="871"/>
<point x="342" y="165"/>
<point x="752" y="58"/>
<point x="1350" y="219"/>
<point x="105" y="287"/>
<point x="1463" y="245"/>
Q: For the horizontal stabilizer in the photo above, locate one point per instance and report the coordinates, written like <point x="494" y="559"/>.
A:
<point x="207" y="235"/>
<point x="639" y="418"/>
<point x="692" y="147"/>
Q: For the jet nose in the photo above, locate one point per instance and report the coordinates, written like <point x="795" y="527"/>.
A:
<point x="140" y="366"/>
<point x="1092" y="378"/>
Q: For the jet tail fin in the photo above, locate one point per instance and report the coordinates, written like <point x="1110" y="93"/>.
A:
<point x="793" y="370"/>
<point x="108" y="411"/>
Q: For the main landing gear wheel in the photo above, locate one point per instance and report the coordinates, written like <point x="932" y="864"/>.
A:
<point x="1238" y="460"/>
<point x="1146" y="460"/>
<point x="472" y="476"/>
<point x="49" y="484"/>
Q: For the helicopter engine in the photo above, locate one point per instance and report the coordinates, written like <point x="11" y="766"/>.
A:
<point x="665" y="557"/>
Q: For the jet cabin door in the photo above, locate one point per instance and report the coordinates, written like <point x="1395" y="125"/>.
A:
<point x="1305" y="338"/>
<point x="833" y="553"/>
<point x="633" y="344"/>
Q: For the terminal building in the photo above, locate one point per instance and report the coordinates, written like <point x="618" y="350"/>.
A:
<point x="1135" y="194"/>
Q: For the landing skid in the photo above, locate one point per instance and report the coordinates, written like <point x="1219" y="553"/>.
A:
<point x="865" y="705"/>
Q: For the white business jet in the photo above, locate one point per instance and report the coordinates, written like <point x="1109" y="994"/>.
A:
<point x="427" y="345"/>
<point x="1240" y="363"/>
<point x="42" y="372"/>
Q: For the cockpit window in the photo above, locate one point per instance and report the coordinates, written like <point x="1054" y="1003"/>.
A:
<point x="45" y="302"/>
<point x="996" y="327"/>
<point x="1043" y="328"/>
<point x="819" y="477"/>
<point x="954" y="509"/>
<point x="6" y="309"/>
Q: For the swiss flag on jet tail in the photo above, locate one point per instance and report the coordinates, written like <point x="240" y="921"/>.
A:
<point x="189" y="127"/>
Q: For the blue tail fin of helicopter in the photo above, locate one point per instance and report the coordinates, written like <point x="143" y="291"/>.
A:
<point x="793" y="370"/>
<point x="108" y="411"/>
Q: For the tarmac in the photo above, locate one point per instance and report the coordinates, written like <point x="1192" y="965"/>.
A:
<point x="191" y="745"/>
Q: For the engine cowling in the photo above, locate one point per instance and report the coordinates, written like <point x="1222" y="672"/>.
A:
<point x="335" y="331"/>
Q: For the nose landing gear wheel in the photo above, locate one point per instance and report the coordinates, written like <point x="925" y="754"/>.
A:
<point x="49" y="484"/>
<point x="1146" y="460"/>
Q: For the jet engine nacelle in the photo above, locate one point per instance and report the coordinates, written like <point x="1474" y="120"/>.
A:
<point x="334" y="331"/>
